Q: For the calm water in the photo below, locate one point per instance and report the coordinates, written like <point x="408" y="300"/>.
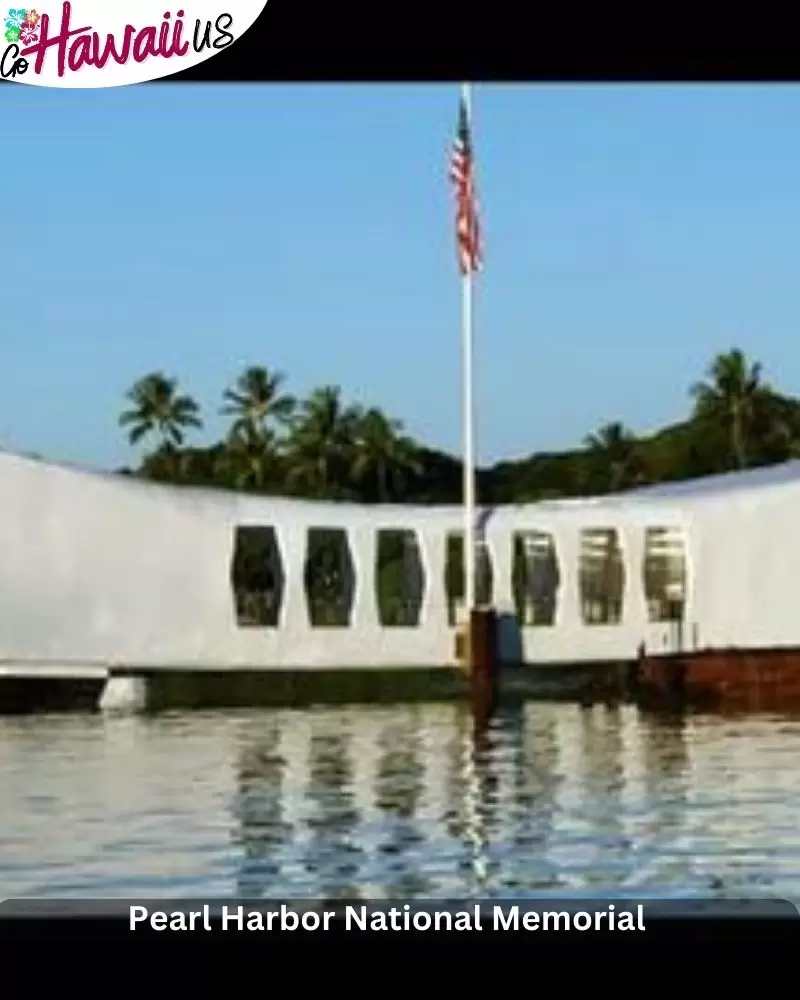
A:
<point x="399" y="803"/>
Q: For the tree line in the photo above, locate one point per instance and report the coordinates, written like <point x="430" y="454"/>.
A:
<point x="326" y="447"/>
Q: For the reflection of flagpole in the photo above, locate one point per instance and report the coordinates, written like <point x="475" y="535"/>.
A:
<point x="474" y="827"/>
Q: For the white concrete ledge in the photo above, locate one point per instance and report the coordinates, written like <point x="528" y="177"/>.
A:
<point x="54" y="671"/>
<point x="123" y="695"/>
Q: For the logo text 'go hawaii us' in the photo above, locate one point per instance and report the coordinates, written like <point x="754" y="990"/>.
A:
<point x="97" y="44"/>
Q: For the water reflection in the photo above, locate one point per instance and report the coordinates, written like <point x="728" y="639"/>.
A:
<point x="603" y="781"/>
<point x="665" y="768"/>
<point x="399" y="788"/>
<point x="333" y="851"/>
<point x="262" y="829"/>
<point x="536" y="784"/>
<point x="400" y="802"/>
<point x="472" y="820"/>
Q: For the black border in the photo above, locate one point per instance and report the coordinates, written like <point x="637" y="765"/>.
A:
<point x="341" y="40"/>
<point x="672" y="954"/>
<point x="450" y="41"/>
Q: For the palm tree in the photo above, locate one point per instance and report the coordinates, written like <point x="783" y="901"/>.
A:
<point x="248" y="459"/>
<point x="732" y="392"/>
<point x="321" y="440"/>
<point x="614" y="449"/>
<point x="255" y="400"/>
<point x="158" y="408"/>
<point x="382" y="452"/>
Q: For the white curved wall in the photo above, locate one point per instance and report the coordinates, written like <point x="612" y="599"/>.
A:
<point x="104" y="569"/>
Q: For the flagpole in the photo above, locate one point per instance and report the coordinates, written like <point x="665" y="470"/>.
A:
<point x="467" y="335"/>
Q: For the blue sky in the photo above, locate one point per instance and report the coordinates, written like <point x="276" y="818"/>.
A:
<point x="631" y="233"/>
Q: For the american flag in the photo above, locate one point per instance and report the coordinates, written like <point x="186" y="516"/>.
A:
<point x="462" y="174"/>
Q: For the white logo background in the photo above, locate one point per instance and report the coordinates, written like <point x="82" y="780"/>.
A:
<point x="104" y="18"/>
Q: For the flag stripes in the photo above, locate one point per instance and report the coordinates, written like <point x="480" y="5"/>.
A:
<point x="462" y="174"/>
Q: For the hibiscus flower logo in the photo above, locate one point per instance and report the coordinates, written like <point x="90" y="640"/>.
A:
<point x="22" y="26"/>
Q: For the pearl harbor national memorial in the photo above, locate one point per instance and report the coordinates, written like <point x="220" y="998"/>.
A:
<point x="115" y="592"/>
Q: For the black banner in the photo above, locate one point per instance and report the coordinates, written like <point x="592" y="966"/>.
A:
<point x="358" y="40"/>
<point x="507" y="925"/>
